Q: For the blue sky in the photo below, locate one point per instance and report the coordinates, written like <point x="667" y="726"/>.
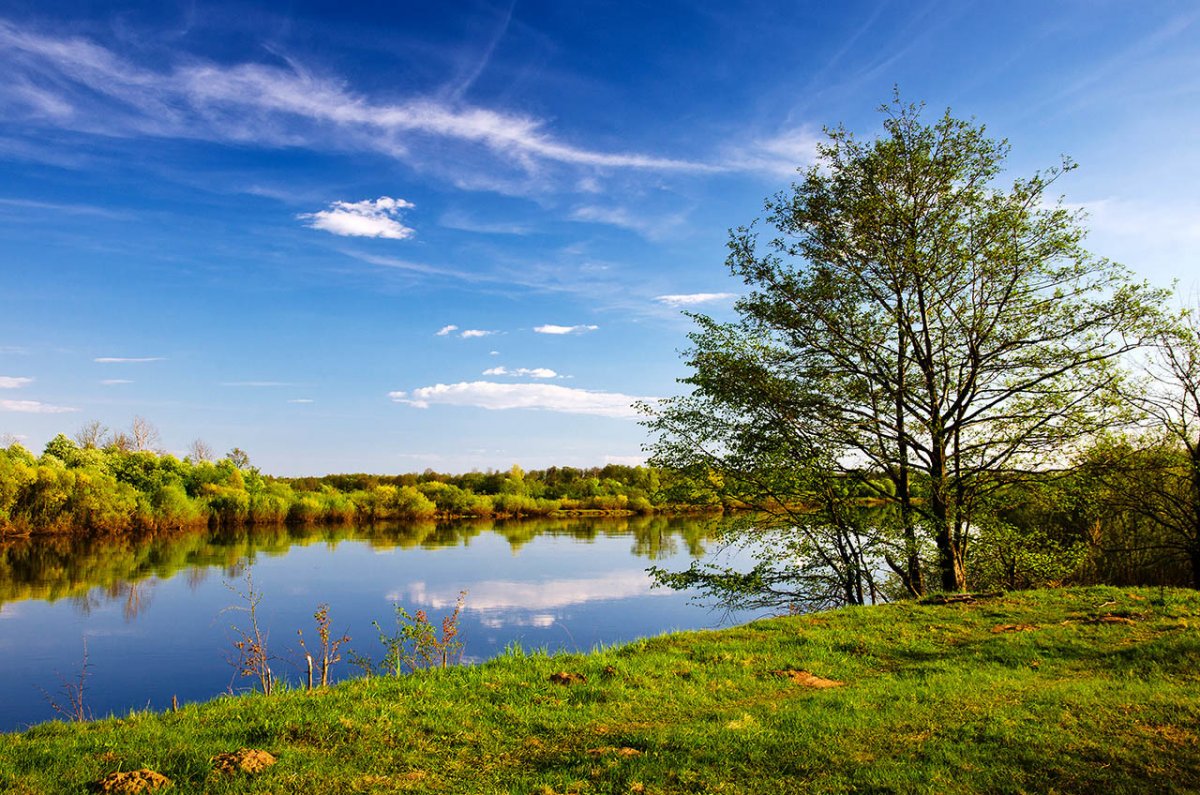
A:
<point x="388" y="236"/>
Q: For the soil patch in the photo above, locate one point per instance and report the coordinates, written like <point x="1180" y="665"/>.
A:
<point x="567" y="678"/>
<point x="131" y="781"/>
<point x="244" y="760"/>
<point x="805" y="679"/>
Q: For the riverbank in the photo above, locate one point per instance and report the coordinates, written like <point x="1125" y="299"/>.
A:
<point x="1071" y="691"/>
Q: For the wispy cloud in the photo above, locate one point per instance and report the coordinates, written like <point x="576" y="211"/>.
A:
<point x="14" y="382"/>
<point x="445" y="331"/>
<point x="475" y="332"/>
<point x="366" y="218"/>
<point x="34" y="407"/>
<point x="61" y="208"/>
<point x="550" y="328"/>
<point x="463" y="223"/>
<point x="115" y="381"/>
<point x="420" y="268"/>
<point x="300" y="400"/>
<point x="545" y="397"/>
<point x="522" y="372"/>
<point x="647" y="226"/>
<point x="778" y="155"/>
<point x="691" y="299"/>
<point x="77" y="84"/>
<point x="128" y="359"/>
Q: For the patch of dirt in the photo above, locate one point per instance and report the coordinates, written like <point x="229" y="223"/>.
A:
<point x="132" y="781"/>
<point x="567" y="678"/>
<point x="805" y="679"/>
<point x="999" y="628"/>
<point x="244" y="760"/>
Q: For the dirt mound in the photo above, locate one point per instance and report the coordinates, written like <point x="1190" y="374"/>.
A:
<point x="1013" y="628"/>
<point x="567" y="678"/>
<point x="131" y="781"/>
<point x="805" y="679"/>
<point x="245" y="760"/>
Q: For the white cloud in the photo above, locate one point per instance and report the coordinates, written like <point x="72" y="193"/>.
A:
<point x="115" y="381"/>
<point x="76" y="84"/>
<point x="689" y="299"/>
<point x="127" y="359"/>
<point x="33" y="407"/>
<point x="522" y="372"/>
<point x="475" y="332"/>
<point x="300" y="400"/>
<point x="493" y="353"/>
<point x="536" y="597"/>
<point x="14" y="382"/>
<point x="546" y="397"/>
<point x="444" y="330"/>
<point x="367" y="218"/>
<point x="550" y="328"/>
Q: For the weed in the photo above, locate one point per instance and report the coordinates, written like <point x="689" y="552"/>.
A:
<point x="252" y="660"/>
<point x="328" y="653"/>
<point x="416" y="643"/>
<point x="74" y="708"/>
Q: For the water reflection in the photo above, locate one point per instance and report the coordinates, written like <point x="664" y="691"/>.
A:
<point x="155" y="610"/>
<point x="92" y="571"/>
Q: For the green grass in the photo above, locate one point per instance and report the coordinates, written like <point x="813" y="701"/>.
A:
<point x="934" y="700"/>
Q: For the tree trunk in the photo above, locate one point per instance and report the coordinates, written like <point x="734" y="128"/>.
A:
<point x="950" y="562"/>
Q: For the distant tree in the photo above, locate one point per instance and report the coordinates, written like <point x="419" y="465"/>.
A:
<point x="91" y="436"/>
<point x="199" y="451"/>
<point x="1152" y="479"/>
<point x="61" y="448"/>
<point x="239" y="458"/>
<point x="912" y="328"/>
<point x="144" y="435"/>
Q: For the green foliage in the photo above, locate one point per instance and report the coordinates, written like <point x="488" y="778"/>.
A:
<point x="914" y="334"/>
<point x="415" y="643"/>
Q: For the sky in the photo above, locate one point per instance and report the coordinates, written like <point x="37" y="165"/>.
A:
<point x="391" y="236"/>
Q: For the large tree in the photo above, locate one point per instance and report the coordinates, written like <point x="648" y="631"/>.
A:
<point x="912" y="327"/>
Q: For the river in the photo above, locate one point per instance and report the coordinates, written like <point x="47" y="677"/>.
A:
<point x="156" y="614"/>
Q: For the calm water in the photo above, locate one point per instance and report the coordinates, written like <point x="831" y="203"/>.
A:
<point x="155" y="617"/>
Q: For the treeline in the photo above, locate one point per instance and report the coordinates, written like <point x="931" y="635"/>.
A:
<point x="115" y="484"/>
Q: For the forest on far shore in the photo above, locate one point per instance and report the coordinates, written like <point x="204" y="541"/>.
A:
<point x="115" y="482"/>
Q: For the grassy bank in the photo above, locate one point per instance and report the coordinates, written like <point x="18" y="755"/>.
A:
<point x="1080" y="690"/>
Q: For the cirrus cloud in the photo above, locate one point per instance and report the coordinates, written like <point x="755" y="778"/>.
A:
<point x="530" y="372"/>
<point x="550" y="328"/>
<point x="33" y="407"/>
<point x="366" y="218"/>
<point x="545" y="397"/>
<point x="127" y="359"/>
<point x="690" y="299"/>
